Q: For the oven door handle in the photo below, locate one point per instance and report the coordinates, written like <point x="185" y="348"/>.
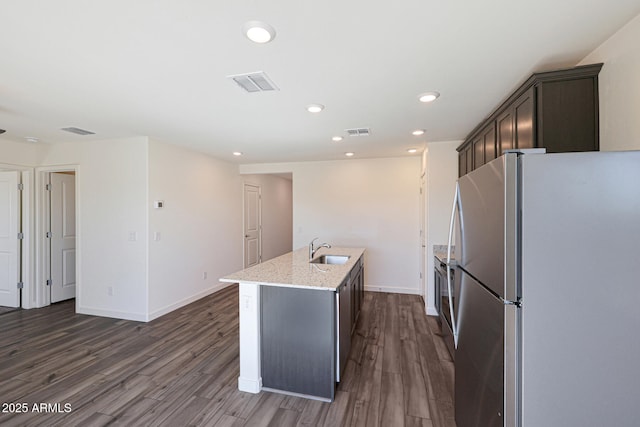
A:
<point x="454" y="209"/>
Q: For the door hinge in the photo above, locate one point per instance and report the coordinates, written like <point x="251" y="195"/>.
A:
<point x="48" y="235"/>
<point x="20" y="187"/>
<point x="20" y="285"/>
<point x="47" y="187"/>
<point x="49" y="282"/>
<point x="20" y="236"/>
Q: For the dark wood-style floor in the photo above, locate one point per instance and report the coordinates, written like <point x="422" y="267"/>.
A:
<point x="182" y="370"/>
<point x="4" y="310"/>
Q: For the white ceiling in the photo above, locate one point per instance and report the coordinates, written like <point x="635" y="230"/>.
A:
<point x="158" y="68"/>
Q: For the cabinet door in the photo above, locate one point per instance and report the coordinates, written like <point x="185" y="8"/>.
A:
<point x="478" y="152"/>
<point x="353" y="291"/>
<point x="505" y="139"/>
<point x="523" y="118"/>
<point x="469" y="151"/>
<point x="361" y="283"/>
<point x="568" y="116"/>
<point x="344" y="328"/>
<point x="462" y="163"/>
<point x="489" y="140"/>
<point x="357" y="294"/>
<point x="361" y="286"/>
<point x="298" y="336"/>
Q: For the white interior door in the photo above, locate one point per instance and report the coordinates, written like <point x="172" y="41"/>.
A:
<point x="9" y="242"/>
<point x="252" y="221"/>
<point x="63" y="237"/>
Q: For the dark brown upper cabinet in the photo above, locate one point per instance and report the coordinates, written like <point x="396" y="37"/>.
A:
<point x="489" y="142"/>
<point x="478" y="152"/>
<point x="556" y="110"/>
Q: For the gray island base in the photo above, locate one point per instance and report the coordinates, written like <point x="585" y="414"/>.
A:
<point x="296" y="320"/>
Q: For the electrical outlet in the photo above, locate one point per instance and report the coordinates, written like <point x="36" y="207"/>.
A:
<point x="133" y="236"/>
<point x="110" y="291"/>
<point x="156" y="236"/>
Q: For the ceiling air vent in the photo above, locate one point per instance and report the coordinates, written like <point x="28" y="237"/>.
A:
<point x="78" y="131"/>
<point x="358" y="131"/>
<point x="254" y="82"/>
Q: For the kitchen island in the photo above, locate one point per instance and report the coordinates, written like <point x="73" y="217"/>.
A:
<point x="296" y="319"/>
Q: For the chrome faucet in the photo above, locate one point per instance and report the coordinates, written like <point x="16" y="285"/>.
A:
<point x="313" y="250"/>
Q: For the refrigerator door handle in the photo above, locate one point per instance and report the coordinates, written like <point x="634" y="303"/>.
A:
<point x="456" y="207"/>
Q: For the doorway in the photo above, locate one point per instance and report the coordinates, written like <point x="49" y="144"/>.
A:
<point x="62" y="236"/>
<point x="268" y="205"/>
<point x="252" y="225"/>
<point x="56" y="230"/>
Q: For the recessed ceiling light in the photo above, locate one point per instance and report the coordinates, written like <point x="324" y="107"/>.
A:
<point x="428" y="96"/>
<point x="32" y="139"/>
<point x="418" y="132"/>
<point x="336" y="138"/>
<point x="349" y="154"/>
<point x="237" y="153"/>
<point x="412" y="150"/>
<point x="258" y="32"/>
<point x="315" y="108"/>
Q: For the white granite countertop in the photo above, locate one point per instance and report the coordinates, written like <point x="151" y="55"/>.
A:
<point x="294" y="270"/>
<point x="440" y="252"/>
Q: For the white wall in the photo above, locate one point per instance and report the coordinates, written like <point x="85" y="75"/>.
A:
<point x="200" y="225"/>
<point x="277" y="213"/>
<point x="18" y="153"/>
<point x="370" y="203"/>
<point x="619" y="85"/>
<point x="111" y="194"/>
<point x="442" y="173"/>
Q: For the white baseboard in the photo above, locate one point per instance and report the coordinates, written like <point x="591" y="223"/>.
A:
<point x="411" y="291"/>
<point x="291" y="393"/>
<point x="250" y="385"/>
<point x="141" y="317"/>
<point x="92" y="311"/>
<point x="431" y="311"/>
<point x="169" y="308"/>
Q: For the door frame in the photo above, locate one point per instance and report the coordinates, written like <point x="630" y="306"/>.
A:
<point x="422" y="250"/>
<point x="42" y="293"/>
<point x="244" y="222"/>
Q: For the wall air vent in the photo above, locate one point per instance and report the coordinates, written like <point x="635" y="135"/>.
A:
<point x="358" y="132"/>
<point x="254" y="82"/>
<point x="78" y="131"/>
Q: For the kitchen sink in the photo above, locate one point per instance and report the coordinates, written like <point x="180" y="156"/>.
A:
<point x="331" y="259"/>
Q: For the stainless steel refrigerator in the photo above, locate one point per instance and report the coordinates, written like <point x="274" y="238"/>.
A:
<point x="546" y="296"/>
